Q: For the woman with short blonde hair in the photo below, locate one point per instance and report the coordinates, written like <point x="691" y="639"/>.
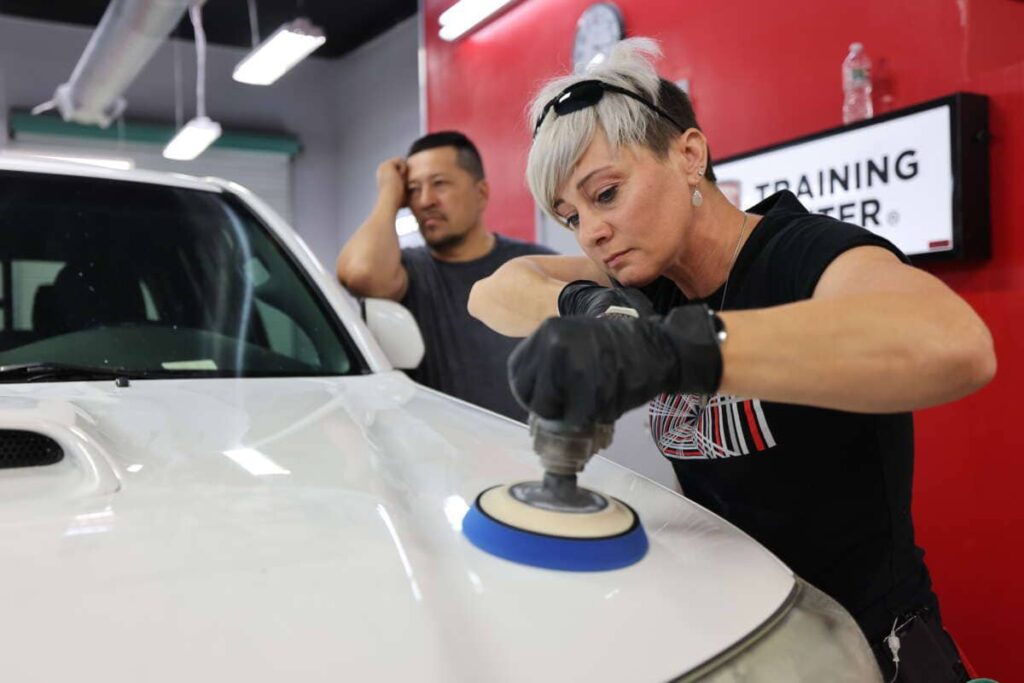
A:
<point x="781" y="351"/>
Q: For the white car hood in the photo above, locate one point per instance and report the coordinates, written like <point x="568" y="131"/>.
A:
<point x="308" y="529"/>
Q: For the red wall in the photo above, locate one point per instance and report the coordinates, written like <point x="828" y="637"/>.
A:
<point x="765" y="72"/>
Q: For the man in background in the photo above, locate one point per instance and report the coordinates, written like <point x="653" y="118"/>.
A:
<point x="442" y="182"/>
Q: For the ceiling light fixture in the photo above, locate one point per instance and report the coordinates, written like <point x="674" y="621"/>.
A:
<point x="192" y="139"/>
<point x="465" y="14"/>
<point x="286" y="47"/>
<point x="199" y="133"/>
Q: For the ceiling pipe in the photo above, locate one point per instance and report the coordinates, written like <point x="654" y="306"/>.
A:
<point x="123" y="43"/>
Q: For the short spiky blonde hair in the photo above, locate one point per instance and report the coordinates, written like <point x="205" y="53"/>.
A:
<point x="562" y="140"/>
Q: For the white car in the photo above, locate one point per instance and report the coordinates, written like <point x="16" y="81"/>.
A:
<point x="210" y="471"/>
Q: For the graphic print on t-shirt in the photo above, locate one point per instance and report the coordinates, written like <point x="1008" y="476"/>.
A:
<point x="696" y="427"/>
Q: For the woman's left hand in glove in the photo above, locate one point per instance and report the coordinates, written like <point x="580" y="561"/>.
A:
<point x="583" y="297"/>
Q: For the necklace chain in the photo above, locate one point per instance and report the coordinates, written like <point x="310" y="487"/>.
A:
<point x="706" y="398"/>
<point x="732" y="263"/>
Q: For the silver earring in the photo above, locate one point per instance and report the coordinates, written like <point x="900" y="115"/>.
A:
<point x="697" y="197"/>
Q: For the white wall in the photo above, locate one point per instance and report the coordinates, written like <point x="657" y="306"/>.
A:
<point x="347" y="113"/>
<point x="377" y="87"/>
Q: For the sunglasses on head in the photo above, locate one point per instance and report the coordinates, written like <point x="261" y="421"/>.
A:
<point x="588" y="93"/>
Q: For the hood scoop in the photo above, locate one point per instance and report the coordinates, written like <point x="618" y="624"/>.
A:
<point x="50" y="452"/>
<point x="21" y="448"/>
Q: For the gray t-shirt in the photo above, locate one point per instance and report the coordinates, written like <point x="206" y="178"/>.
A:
<point x="464" y="357"/>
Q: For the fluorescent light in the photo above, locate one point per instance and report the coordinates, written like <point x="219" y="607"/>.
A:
<point x="465" y="14"/>
<point x="91" y="523"/>
<point x="286" y="47"/>
<point x="413" y="585"/>
<point x="116" y="163"/>
<point x="455" y="508"/>
<point x="193" y="139"/>
<point x="254" y="462"/>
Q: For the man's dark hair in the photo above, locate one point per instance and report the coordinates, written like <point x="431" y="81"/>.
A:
<point x="466" y="154"/>
<point x="675" y="102"/>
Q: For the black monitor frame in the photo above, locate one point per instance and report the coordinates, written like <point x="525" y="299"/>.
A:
<point x="969" y="137"/>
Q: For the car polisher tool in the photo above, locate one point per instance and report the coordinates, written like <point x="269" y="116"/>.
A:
<point x="554" y="523"/>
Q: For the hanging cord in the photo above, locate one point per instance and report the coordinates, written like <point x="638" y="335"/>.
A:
<point x="120" y="133"/>
<point x="893" y="641"/>
<point x="179" y="104"/>
<point x="254" y="23"/>
<point x="195" y="13"/>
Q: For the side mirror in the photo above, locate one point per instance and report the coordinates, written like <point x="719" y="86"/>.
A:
<point x="396" y="332"/>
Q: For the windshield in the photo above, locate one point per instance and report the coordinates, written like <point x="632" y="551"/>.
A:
<point x="158" y="281"/>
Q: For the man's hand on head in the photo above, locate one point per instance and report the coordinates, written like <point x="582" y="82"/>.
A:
<point x="392" y="178"/>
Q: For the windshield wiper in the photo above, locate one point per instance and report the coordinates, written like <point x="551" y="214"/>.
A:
<point x="62" y="372"/>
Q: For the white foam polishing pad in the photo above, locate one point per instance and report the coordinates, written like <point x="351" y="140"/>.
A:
<point x="614" y="519"/>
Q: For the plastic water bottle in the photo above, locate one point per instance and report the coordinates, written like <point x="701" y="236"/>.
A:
<point x="857" y="85"/>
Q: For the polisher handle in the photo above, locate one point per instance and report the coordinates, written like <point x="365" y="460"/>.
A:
<point x="564" y="448"/>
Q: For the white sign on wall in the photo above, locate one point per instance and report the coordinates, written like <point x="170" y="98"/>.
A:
<point x="896" y="176"/>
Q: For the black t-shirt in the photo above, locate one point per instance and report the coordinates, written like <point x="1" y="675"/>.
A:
<point x="826" y="490"/>
<point x="464" y="357"/>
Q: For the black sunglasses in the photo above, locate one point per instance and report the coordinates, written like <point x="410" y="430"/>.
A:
<point x="588" y="93"/>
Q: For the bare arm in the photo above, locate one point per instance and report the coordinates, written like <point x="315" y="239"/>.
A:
<point x="523" y="292"/>
<point x="877" y="336"/>
<point x="370" y="263"/>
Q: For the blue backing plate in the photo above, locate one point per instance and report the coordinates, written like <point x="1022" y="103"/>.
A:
<point x="554" y="552"/>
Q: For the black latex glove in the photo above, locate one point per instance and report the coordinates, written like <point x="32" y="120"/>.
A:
<point x="583" y="297"/>
<point x="585" y="370"/>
